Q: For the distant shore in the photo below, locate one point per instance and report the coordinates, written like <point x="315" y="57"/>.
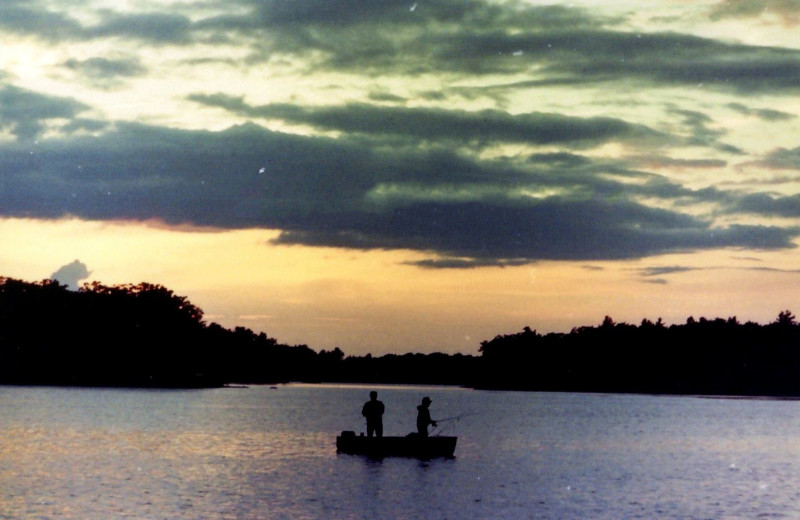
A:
<point x="145" y="336"/>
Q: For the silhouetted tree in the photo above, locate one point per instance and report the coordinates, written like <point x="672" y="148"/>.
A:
<point x="786" y="318"/>
<point x="719" y="356"/>
<point x="145" y="335"/>
<point x="131" y="335"/>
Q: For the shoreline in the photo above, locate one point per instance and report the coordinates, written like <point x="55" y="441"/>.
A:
<point x="378" y="385"/>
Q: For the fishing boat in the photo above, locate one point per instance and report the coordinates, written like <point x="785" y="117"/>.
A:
<point x="412" y="445"/>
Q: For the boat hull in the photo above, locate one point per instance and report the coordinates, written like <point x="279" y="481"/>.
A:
<point x="408" y="446"/>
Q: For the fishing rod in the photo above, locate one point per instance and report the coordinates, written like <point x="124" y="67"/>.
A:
<point x="441" y="428"/>
<point x="456" y="417"/>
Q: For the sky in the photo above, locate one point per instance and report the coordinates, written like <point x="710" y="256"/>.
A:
<point x="408" y="176"/>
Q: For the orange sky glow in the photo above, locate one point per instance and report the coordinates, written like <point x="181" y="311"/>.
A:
<point x="408" y="176"/>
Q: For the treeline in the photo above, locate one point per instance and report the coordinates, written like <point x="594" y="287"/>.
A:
<point x="144" y="335"/>
<point x="702" y="357"/>
<point x="132" y="335"/>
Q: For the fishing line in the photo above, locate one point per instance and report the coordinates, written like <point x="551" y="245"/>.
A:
<point x="450" y="422"/>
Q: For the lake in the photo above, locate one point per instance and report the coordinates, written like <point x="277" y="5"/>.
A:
<point x="262" y="453"/>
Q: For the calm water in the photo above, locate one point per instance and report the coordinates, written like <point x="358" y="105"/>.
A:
<point x="258" y="453"/>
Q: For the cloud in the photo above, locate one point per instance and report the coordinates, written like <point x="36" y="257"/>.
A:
<point x="550" y="45"/>
<point x="579" y="57"/>
<point x="766" y="204"/>
<point x="465" y="263"/>
<point x="602" y="55"/>
<point x="782" y="158"/>
<point x="49" y="24"/>
<point x="787" y="10"/>
<point x="654" y="274"/>
<point x="469" y="184"/>
<point x="71" y="274"/>
<point x="24" y="113"/>
<point x="485" y="126"/>
<point x="553" y="229"/>
<point x="662" y="270"/>
<point x="702" y="130"/>
<point x="106" y="72"/>
<point x="766" y="114"/>
<point x="157" y="28"/>
<point x="659" y="161"/>
<point x="81" y="124"/>
<point x="327" y="192"/>
<point x="345" y="14"/>
<point x="657" y="281"/>
<point x="30" y="18"/>
<point x="772" y="270"/>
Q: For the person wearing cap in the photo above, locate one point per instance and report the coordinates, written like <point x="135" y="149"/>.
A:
<point x="424" y="417"/>
<point x="373" y="411"/>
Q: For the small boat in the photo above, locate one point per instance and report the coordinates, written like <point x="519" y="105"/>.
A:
<point x="412" y="445"/>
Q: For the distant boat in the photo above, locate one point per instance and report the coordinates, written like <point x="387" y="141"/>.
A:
<point x="411" y="445"/>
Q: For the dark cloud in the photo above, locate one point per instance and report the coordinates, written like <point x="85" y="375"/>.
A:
<point x="771" y="205"/>
<point x="660" y="161"/>
<point x="318" y="191"/>
<point x="159" y="28"/>
<point x="766" y="114"/>
<point x="36" y="18"/>
<point x="551" y="55"/>
<point x="400" y="175"/>
<point x="30" y="18"/>
<point x="482" y="127"/>
<point x="466" y="263"/>
<point x="390" y="35"/>
<point x="701" y="130"/>
<point x="336" y="14"/>
<point x="24" y="113"/>
<point x="553" y="229"/>
<point x="106" y="72"/>
<point x="662" y="270"/>
<point x="654" y="274"/>
<point x="207" y="178"/>
<point x="772" y="270"/>
<point x="782" y="158"/>
<point x="80" y="124"/>
<point x="660" y="58"/>
<point x="550" y="44"/>
<point x="340" y="12"/>
<point x="388" y="97"/>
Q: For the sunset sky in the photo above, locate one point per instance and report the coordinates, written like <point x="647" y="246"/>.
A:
<point x="394" y="176"/>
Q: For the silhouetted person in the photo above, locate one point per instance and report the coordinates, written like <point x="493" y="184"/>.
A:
<point x="373" y="411"/>
<point x="424" y="417"/>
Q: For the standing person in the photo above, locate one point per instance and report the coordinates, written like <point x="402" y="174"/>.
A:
<point x="424" y="417"/>
<point x="373" y="411"/>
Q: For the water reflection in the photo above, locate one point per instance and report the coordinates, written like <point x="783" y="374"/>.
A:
<point x="270" y="454"/>
<point x="55" y="471"/>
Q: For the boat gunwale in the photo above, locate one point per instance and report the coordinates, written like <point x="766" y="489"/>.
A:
<point x="410" y="445"/>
